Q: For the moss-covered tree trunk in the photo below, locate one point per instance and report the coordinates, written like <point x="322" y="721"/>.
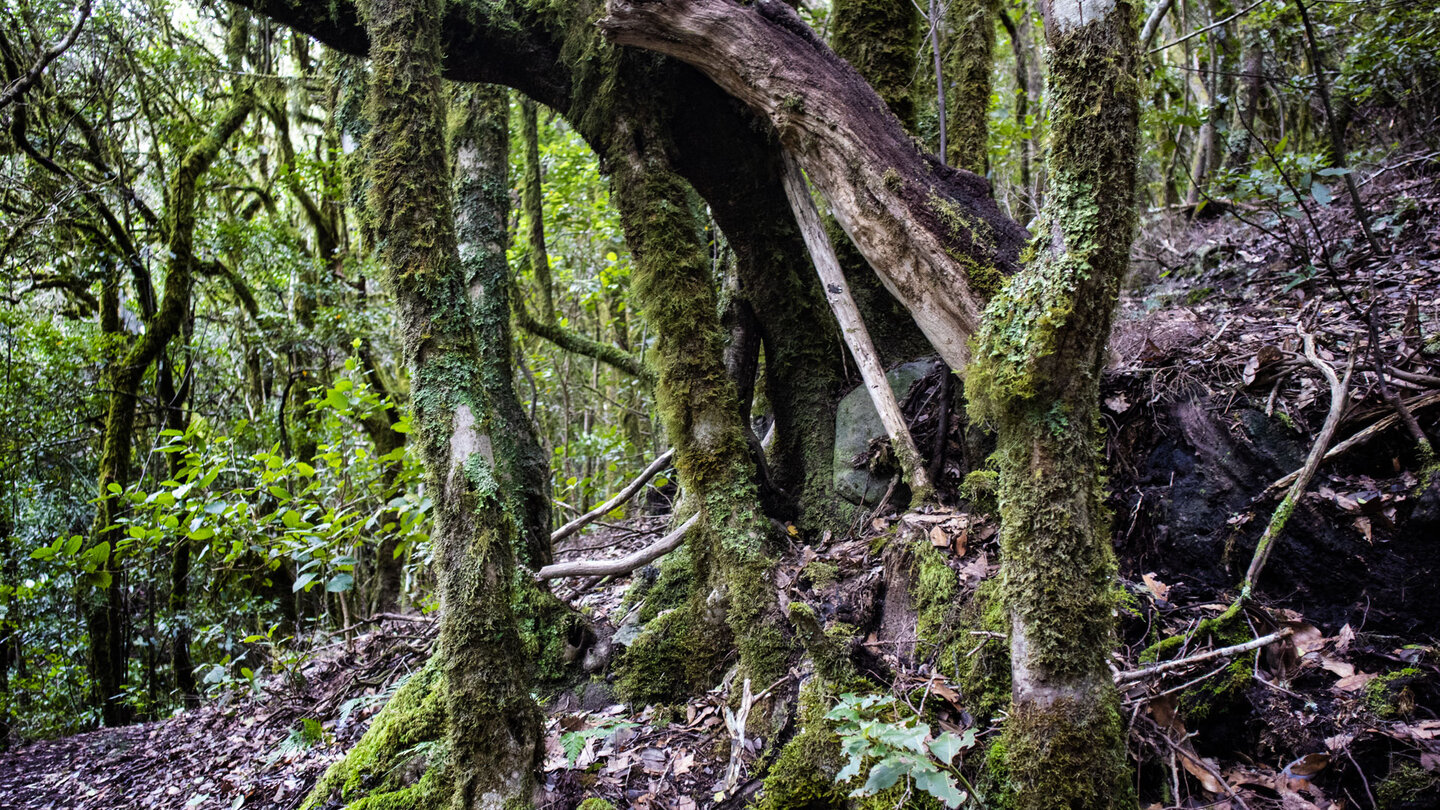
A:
<point x="879" y="39"/>
<point x="967" y="82"/>
<point x="480" y="140"/>
<point x="1036" y="377"/>
<point x="493" y="726"/>
<point x="103" y="604"/>
<point x="675" y="291"/>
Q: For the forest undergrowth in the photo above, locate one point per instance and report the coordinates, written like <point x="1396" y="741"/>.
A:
<point x="1210" y="401"/>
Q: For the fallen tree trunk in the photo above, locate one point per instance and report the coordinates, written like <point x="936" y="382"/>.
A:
<point x="933" y="234"/>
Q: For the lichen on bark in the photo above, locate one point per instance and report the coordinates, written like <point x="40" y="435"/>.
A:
<point x="493" y="725"/>
<point x="1036" y="378"/>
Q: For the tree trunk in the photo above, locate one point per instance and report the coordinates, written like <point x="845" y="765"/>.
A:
<point x="104" y="619"/>
<point x="535" y="211"/>
<point x="172" y="403"/>
<point x="935" y="235"/>
<point x="1036" y="377"/>
<point x="481" y="144"/>
<point x="967" y="82"/>
<point x="493" y="726"/>
<point x="673" y="287"/>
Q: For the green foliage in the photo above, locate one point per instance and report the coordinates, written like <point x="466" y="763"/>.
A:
<point x="887" y="742"/>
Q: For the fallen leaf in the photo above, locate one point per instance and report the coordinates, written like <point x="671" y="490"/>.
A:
<point x="1159" y="589"/>
<point x="938" y="538"/>
<point x="1353" y="683"/>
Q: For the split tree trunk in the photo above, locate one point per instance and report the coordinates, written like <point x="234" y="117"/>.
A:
<point x="935" y="235"/>
<point x="1036" y="377"/>
<point x="493" y="726"/>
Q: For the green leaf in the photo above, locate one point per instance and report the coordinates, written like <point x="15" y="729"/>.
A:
<point x="940" y="785"/>
<point x="305" y="469"/>
<point x="1321" y="193"/>
<point x="948" y="745"/>
<point x="204" y="533"/>
<point x="291" y="519"/>
<point x="302" y="582"/>
<point x="885" y="774"/>
<point x="279" y="492"/>
<point x="340" y="583"/>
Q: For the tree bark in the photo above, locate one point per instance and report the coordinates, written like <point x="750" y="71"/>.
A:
<point x="481" y="144"/>
<point x="535" y="211"/>
<point x="967" y="80"/>
<point x="493" y="725"/>
<point x="673" y="287"/>
<point x="934" y="235"/>
<point x="1036" y="377"/>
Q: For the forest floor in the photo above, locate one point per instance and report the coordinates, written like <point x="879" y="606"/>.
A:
<point x="1209" y="399"/>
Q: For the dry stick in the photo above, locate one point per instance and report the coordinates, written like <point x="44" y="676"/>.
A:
<point x="1363" y="436"/>
<point x="605" y="508"/>
<point x="623" y="565"/>
<point x="852" y="328"/>
<point x="1134" y="675"/>
<point x="1242" y="12"/>
<point x="1190" y="755"/>
<point x="1152" y="23"/>
<point x="1339" y="395"/>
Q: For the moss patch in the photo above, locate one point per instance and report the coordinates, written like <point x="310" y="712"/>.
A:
<point x="382" y="767"/>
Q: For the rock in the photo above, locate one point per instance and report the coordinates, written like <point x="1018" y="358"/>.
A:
<point x="857" y="424"/>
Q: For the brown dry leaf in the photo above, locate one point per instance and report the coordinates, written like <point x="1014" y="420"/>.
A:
<point x="1343" y="638"/>
<point x="940" y="688"/>
<point x="1353" y="683"/>
<point x="938" y="538"/>
<point x="1308" y="765"/>
<point x="1362" y="525"/>
<point x="1342" y="668"/>
<point x="961" y="541"/>
<point x="1157" y="588"/>
<point x="1430" y="762"/>
<point x="1306" y="638"/>
<point x="1196" y="767"/>
<point x="684" y="763"/>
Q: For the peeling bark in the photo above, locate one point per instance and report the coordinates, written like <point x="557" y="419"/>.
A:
<point x="934" y="235"/>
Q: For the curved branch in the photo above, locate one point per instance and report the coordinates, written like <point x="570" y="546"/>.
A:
<point x="625" y="494"/>
<point x="18" y="87"/>
<point x="934" y="235"/>
<point x="612" y="356"/>
<point x="624" y="565"/>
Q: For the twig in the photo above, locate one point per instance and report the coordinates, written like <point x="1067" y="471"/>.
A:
<point x="1198" y="760"/>
<point x="1134" y="675"/>
<point x="623" y="565"/>
<point x="1182" y="687"/>
<point x="1339" y="397"/>
<point x="609" y="506"/>
<point x="852" y="329"/>
<point x="20" y="85"/>
<point x="735" y="722"/>
<point x="1242" y="12"/>
<point x="1361" y="437"/>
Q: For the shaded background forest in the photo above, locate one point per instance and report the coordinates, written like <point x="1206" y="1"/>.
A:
<point x="272" y="504"/>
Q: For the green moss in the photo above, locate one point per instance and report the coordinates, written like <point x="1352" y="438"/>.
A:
<point x="829" y="649"/>
<point x="967" y="73"/>
<point x="979" y="488"/>
<point x="677" y="655"/>
<point x="803" y="776"/>
<point x="880" y="39"/>
<point x="820" y="574"/>
<point x="595" y="804"/>
<point x="1198" y="296"/>
<point x="412" y="724"/>
<point x="1389" y="696"/>
<point x="1409" y="783"/>
<point x="1069" y="754"/>
<point x="551" y="632"/>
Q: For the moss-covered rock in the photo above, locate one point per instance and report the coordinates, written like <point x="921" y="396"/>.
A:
<point x="677" y="655"/>
<point x="803" y="776"/>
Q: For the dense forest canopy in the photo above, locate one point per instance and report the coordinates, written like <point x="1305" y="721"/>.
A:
<point x="833" y="403"/>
